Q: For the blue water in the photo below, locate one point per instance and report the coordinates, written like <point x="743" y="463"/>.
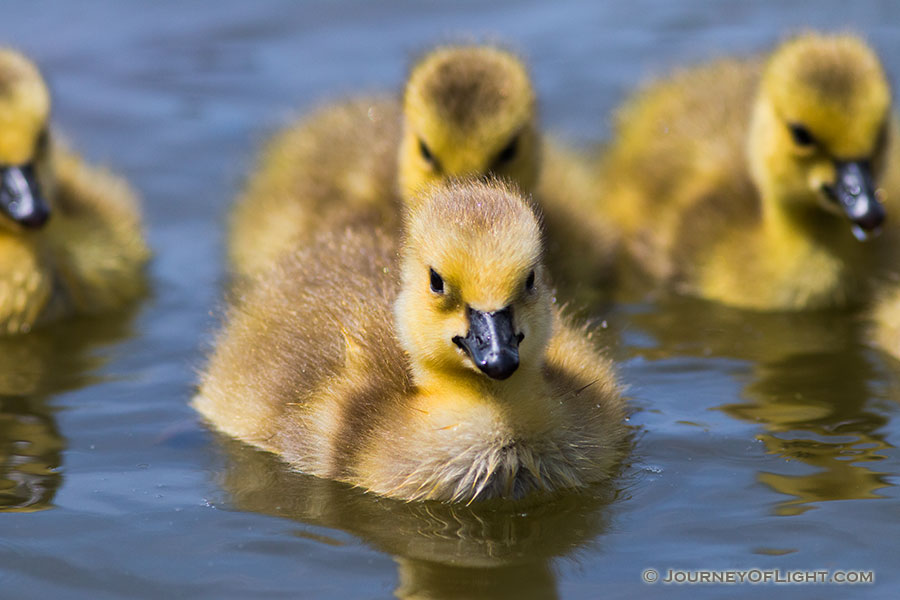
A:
<point x="760" y="442"/>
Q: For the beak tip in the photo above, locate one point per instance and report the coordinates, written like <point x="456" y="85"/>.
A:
<point x="872" y="220"/>
<point x="36" y="219"/>
<point x="500" y="366"/>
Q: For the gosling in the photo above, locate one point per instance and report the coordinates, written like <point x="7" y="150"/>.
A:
<point x="753" y="182"/>
<point x="467" y="111"/>
<point x="70" y="234"/>
<point x="446" y="374"/>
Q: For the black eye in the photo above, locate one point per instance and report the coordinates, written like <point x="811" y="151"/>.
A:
<point x="529" y="283"/>
<point x="437" y="284"/>
<point x="426" y="153"/>
<point x="801" y="135"/>
<point x="509" y="152"/>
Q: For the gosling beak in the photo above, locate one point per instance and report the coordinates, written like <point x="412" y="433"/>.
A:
<point x="854" y="192"/>
<point x="492" y="343"/>
<point x="20" y="197"/>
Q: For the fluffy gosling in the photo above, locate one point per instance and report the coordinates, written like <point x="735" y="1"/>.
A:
<point x="444" y="375"/>
<point x="753" y="182"/>
<point x="70" y="235"/>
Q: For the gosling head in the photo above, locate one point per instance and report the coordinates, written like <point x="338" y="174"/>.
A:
<point x="469" y="111"/>
<point x="24" y="159"/>
<point x="819" y="133"/>
<point x="474" y="298"/>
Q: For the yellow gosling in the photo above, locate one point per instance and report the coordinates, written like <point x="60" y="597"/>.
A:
<point x="70" y="235"/>
<point x="339" y="166"/>
<point x="446" y="376"/>
<point x="467" y="111"/>
<point x="749" y="182"/>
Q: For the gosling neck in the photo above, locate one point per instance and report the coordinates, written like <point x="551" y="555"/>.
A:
<point x="459" y="380"/>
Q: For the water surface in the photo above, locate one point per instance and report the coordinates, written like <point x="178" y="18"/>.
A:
<point x="760" y="441"/>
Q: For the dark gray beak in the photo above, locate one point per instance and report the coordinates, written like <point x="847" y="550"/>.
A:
<point x="854" y="192"/>
<point x="20" y="197"/>
<point x="492" y="342"/>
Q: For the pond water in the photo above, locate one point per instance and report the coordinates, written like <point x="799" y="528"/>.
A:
<point x="765" y="442"/>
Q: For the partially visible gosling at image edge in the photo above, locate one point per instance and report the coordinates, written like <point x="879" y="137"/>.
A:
<point x="467" y="111"/>
<point x="70" y="235"/>
<point x="748" y="182"/>
<point x="885" y="322"/>
<point x="447" y="376"/>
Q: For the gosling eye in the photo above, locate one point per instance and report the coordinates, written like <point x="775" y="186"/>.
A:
<point x="801" y="135"/>
<point x="426" y="153"/>
<point x="529" y="283"/>
<point x="437" y="283"/>
<point x="508" y="153"/>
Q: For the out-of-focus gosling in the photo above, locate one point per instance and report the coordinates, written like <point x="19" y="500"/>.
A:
<point x="467" y="112"/>
<point x="70" y="234"/>
<point x="753" y="182"/>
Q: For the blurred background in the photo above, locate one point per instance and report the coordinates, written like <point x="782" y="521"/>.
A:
<point x="760" y="442"/>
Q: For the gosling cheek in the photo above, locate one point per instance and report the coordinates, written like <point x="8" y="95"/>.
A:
<point x="820" y="177"/>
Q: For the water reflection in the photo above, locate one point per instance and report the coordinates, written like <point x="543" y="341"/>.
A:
<point x="808" y="385"/>
<point x="815" y="407"/>
<point x="424" y="580"/>
<point x="32" y="368"/>
<point x="30" y="455"/>
<point x="487" y="550"/>
<point x="688" y="327"/>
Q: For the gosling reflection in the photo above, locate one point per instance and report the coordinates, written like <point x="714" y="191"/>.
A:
<point x="816" y="409"/>
<point x="424" y="580"/>
<point x="808" y="387"/>
<point x="690" y="327"/>
<point x="30" y="455"/>
<point x="58" y="358"/>
<point x="32" y="368"/>
<point x="485" y="550"/>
